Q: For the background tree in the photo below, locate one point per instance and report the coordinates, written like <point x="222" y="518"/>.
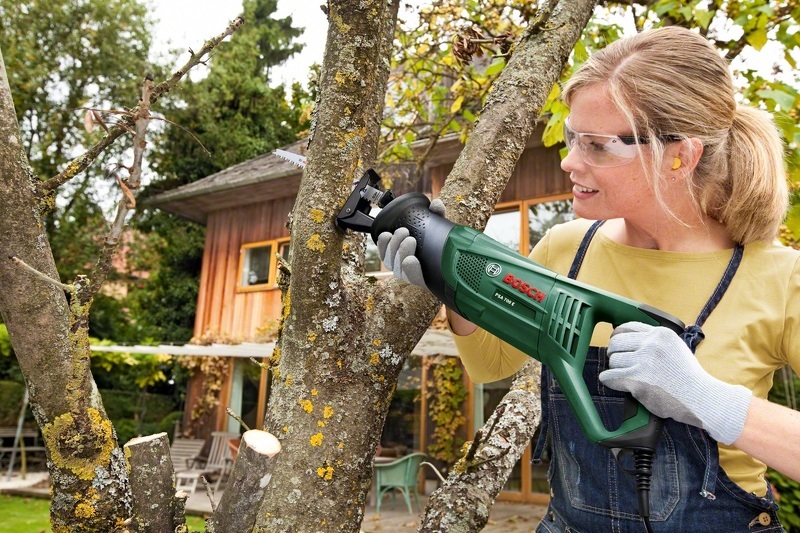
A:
<point x="236" y="115"/>
<point x="69" y="55"/>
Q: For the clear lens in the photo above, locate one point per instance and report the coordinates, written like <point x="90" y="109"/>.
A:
<point x="599" y="150"/>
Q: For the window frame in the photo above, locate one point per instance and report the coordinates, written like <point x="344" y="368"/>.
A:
<point x="272" y="283"/>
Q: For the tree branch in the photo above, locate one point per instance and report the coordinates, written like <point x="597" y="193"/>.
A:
<point x="83" y="161"/>
<point x="19" y="262"/>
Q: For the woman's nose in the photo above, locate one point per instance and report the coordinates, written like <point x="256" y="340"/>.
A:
<point x="573" y="160"/>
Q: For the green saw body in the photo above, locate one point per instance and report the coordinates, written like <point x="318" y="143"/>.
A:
<point x="547" y="316"/>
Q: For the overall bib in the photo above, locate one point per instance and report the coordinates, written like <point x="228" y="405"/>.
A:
<point x="591" y="493"/>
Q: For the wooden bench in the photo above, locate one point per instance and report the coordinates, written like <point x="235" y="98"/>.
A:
<point x="29" y="443"/>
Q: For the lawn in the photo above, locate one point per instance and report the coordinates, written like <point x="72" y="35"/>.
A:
<point x="32" y="515"/>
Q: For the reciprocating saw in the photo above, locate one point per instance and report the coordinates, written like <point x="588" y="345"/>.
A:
<point x="545" y="315"/>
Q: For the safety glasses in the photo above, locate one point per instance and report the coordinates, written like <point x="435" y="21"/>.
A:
<point x="606" y="150"/>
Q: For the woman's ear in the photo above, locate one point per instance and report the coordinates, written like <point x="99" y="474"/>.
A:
<point x="687" y="155"/>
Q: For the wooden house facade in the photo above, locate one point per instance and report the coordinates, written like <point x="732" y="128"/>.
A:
<point x="245" y="210"/>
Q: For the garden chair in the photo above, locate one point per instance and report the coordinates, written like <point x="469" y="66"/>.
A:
<point x="401" y="475"/>
<point x="184" y="453"/>
<point x="219" y="460"/>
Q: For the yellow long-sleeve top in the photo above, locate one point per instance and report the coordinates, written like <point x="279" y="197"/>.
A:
<point x="754" y="330"/>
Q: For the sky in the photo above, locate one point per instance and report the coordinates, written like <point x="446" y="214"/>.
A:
<point x="189" y="23"/>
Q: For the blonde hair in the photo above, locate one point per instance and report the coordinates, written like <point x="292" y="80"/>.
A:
<point x="671" y="81"/>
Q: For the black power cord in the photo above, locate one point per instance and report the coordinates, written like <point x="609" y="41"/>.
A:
<point x="643" y="465"/>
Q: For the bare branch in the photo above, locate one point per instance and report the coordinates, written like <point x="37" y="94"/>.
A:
<point x="19" y="262"/>
<point x="78" y="165"/>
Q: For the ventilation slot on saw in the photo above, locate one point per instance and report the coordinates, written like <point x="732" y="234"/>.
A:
<point x="565" y="322"/>
<point x="470" y="269"/>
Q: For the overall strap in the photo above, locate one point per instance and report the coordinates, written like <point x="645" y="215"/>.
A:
<point x="693" y="335"/>
<point x="584" y="246"/>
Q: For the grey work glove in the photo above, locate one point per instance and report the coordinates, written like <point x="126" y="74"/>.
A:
<point x="396" y="251"/>
<point x="662" y="373"/>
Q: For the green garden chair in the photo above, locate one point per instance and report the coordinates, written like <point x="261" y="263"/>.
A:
<point x="401" y="475"/>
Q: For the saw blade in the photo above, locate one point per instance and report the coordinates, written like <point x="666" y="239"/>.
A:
<point x="295" y="159"/>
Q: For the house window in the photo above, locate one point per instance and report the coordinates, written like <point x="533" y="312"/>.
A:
<point x="258" y="264"/>
<point x="521" y="225"/>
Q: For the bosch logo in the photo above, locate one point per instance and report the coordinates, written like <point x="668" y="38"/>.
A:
<point x="525" y="288"/>
<point x="493" y="270"/>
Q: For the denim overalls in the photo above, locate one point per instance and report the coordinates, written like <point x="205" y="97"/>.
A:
<point x="591" y="493"/>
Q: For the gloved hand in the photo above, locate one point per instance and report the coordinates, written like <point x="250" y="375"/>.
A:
<point x="661" y="372"/>
<point x="396" y="251"/>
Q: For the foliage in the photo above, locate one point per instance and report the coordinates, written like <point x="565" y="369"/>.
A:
<point x="12" y="393"/>
<point x="447" y="393"/>
<point x="789" y="500"/>
<point x="214" y="371"/>
<point x="453" y="88"/>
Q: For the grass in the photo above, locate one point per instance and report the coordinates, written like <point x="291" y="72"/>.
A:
<point x="21" y="514"/>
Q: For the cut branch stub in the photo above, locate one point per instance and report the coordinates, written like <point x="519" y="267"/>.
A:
<point x="248" y="481"/>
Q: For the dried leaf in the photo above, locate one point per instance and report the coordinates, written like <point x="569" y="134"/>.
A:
<point x="88" y="121"/>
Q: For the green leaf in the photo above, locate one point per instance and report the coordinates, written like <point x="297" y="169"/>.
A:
<point x="495" y="68"/>
<point x="757" y="38"/>
<point x="703" y="17"/>
<point x="784" y="99"/>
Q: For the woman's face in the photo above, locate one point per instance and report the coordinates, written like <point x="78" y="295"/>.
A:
<point x="603" y="193"/>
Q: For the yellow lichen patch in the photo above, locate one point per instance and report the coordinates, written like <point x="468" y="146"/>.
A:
<point x="314" y="392"/>
<point x="320" y="423"/>
<point x="339" y="364"/>
<point x="360" y="133"/>
<point x="341" y="445"/>
<point x="316" y="440"/>
<point x="287" y="304"/>
<point x="327" y="412"/>
<point x="84" y="510"/>
<point x="374" y="358"/>
<point x="376" y="342"/>
<point x="317" y="215"/>
<point x="315" y="243"/>
<point x="286" y="429"/>
<point x="325" y="472"/>
<point x="312" y="337"/>
<point x="80" y="445"/>
<point x="289" y="380"/>
<point x="308" y="407"/>
<point x="370" y="303"/>
<point x="381" y="379"/>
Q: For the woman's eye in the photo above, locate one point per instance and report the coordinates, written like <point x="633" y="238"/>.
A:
<point x="596" y="147"/>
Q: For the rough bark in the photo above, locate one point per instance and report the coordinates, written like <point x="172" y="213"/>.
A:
<point x="247" y="483"/>
<point x="463" y="502"/>
<point x="337" y="370"/>
<point x="152" y="483"/>
<point x="87" y="468"/>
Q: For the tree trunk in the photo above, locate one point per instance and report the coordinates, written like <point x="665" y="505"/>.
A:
<point x="152" y="483"/>
<point x="337" y="363"/>
<point x="87" y="467"/>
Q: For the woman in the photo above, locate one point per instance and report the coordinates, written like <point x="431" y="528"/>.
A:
<point x="691" y="188"/>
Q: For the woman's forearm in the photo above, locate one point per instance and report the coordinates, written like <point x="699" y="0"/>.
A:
<point x="771" y="434"/>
